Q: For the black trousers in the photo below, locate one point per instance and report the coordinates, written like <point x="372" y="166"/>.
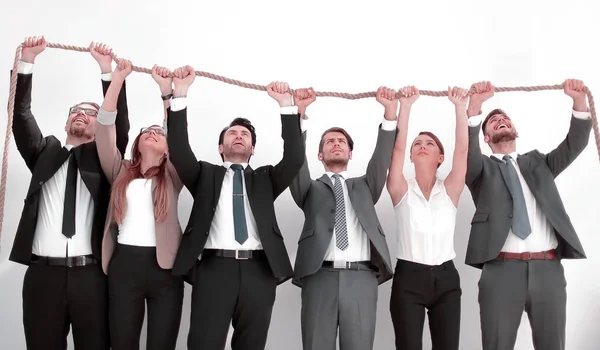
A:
<point x="56" y="298"/>
<point x="417" y="287"/>
<point x="226" y="290"/>
<point x="134" y="280"/>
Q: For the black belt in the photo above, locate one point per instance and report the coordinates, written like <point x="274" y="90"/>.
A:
<point x="235" y="254"/>
<point x="71" y="261"/>
<point x="348" y="265"/>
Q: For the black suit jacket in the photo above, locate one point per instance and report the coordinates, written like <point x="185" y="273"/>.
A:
<point x="493" y="202"/>
<point x="42" y="157"/>
<point x="263" y="186"/>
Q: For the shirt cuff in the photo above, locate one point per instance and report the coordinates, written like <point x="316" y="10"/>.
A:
<point x="582" y="115"/>
<point x="304" y="124"/>
<point x="25" y="67"/>
<point x="106" y="76"/>
<point x="288" y="110"/>
<point x="388" y="125"/>
<point x="475" y="120"/>
<point x="178" y="104"/>
<point x="106" y="118"/>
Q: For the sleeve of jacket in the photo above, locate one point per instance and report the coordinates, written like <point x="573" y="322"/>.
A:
<point x="284" y="172"/>
<point x="122" y="122"/>
<point x="28" y="136"/>
<point x="571" y="147"/>
<point x="301" y="184"/>
<point x="474" y="157"/>
<point x="180" y="152"/>
<point x="379" y="164"/>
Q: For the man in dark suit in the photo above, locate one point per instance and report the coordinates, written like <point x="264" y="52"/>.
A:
<point x="60" y="232"/>
<point x="342" y="252"/>
<point x="520" y="230"/>
<point x="232" y="248"/>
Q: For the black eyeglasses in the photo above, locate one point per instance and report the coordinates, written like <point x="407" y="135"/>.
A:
<point x="87" y="111"/>
<point x="155" y="129"/>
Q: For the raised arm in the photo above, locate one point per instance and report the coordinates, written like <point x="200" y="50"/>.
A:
<point x="163" y="77"/>
<point x="28" y="136"/>
<point x="103" y="55"/>
<point x="579" y="132"/>
<point x="482" y="91"/>
<point x="284" y="172"/>
<point x="302" y="182"/>
<point x="180" y="152"/>
<point x="396" y="182"/>
<point x="455" y="181"/>
<point x="106" y="135"/>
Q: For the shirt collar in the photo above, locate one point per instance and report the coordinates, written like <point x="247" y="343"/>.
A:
<point x="227" y="165"/>
<point x="343" y="174"/>
<point x="513" y="155"/>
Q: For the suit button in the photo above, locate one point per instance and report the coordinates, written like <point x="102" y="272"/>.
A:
<point x="41" y="183"/>
<point x="331" y="229"/>
<point x="333" y="211"/>
<point x="207" y="233"/>
<point x="510" y="215"/>
<point x="214" y="209"/>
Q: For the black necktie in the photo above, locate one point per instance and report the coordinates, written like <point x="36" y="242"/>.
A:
<point x="239" y="214"/>
<point x="68" y="225"/>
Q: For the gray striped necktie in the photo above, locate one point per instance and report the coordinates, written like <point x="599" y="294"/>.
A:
<point x="341" y="230"/>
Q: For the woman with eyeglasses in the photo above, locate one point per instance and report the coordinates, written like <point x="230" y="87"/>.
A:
<point x="142" y="231"/>
<point x="425" y="276"/>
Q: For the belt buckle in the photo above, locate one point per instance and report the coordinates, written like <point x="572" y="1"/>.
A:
<point x="340" y="264"/>
<point x="68" y="261"/>
<point x="526" y="256"/>
<point x="237" y="256"/>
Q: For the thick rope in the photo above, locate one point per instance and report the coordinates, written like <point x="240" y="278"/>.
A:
<point x="344" y="95"/>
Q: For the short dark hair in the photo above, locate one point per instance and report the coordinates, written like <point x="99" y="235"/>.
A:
<point x="341" y="131"/>
<point x="241" y="122"/>
<point x="490" y="115"/>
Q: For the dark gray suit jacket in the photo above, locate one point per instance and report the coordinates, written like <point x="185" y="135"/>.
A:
<point x="316" y="199"/>
<point x="493" y="203"/>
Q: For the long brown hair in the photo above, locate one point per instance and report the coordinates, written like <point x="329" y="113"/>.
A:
<point x="133" y="171"/>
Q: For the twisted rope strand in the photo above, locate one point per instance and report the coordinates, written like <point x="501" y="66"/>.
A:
<point x="344" y="95"/>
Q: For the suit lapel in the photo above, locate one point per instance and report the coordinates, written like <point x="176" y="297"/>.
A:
<point x="219" y="176"/>
<point x="350" y="187"/>
<point x="504" y="172"/>
<point x="326" y="180"/>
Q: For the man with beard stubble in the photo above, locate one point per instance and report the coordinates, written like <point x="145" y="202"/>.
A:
<point x="59" y="236"/>
<point x="520" y="230"/>
<point x="342" y="252"/>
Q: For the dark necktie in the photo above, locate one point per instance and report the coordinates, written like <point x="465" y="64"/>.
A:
<point x="68" y="225"/>
<point x="341" y="230"/>
<point x="239" y="215"/>
<point x="520" y="220"/>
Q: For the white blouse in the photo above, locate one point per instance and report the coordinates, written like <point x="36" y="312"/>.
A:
<point x="426" y="228"/>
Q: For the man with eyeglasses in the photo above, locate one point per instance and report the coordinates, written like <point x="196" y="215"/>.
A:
<point x="60" y="232"/>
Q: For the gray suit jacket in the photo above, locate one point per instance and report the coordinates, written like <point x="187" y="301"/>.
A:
<point x="316" y="199"/>
<point x="493" y="203"/>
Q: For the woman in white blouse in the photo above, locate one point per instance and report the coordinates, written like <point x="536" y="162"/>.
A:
<point x="142" y="231"/>
<point x="425" y="207"/>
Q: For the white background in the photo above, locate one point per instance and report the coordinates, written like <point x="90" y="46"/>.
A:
<point x="333" y="46"/>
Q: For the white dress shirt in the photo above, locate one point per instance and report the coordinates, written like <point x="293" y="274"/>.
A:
<point x="48" y="239"/>
<point x="138" y="227"/>
<point x="426" y="227"/>
<point x="358" y="248"/>
<point x="222" y="229"/>
<point x="542" y="237"/>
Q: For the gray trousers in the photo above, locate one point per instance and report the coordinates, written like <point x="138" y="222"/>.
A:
<point x="344" y="298"/>
<point x="507" y="287"/>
